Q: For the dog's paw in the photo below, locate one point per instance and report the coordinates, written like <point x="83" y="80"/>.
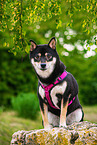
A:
<point x="63" y="124"/>
<point x="48" y="127"/>
<point x="67" y="127"/>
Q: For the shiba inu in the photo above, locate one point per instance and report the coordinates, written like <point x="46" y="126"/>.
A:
<point x="57" y="88"/>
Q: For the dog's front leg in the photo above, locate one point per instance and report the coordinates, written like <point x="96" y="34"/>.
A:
<point x="44" y="114"/>
<point x="63" y="113"/>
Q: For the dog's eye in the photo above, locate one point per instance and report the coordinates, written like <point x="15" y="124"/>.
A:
<point x="48" y="56"/>
<point x="37" y="57"/>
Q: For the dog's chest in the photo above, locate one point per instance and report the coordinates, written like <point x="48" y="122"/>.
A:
<point x="55" y="93"/>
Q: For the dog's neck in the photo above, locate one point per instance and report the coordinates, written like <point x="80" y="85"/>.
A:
<point x="58" y="70"/>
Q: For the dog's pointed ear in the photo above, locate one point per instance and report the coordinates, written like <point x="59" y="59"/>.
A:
<point x="33" y="45"/>
<point x="52" y="43"/>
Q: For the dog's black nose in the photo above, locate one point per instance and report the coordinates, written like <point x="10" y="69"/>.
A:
<point x="43" y="65"/>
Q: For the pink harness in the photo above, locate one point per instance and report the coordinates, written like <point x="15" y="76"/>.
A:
<point x="47" y="89"/>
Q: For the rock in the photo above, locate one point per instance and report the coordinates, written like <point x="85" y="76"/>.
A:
<point x="81" y="133"/>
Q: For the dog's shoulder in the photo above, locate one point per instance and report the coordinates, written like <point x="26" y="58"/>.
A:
<point x="72" y="84"/>
<point x="70" y="77"/>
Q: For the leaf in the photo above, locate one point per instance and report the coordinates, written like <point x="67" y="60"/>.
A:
<point x="88" y="31"/>
<point x="96" y="50"/>
<point x="59" y="24"/>
<point x="91" y="43"/>
<point x="88" y="48"/>
<point x="27" y="49"/>
<point x="95" y="42"/>
<point x="14" y="53"/>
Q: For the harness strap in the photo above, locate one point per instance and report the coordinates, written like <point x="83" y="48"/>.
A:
<point x="63" y="75"/>
<point x="47" y="88"/>
<point x="71" y="101"/>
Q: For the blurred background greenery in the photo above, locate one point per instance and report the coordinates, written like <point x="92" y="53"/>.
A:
<point x="74" y="26"/>
<point x="75" y="30"/>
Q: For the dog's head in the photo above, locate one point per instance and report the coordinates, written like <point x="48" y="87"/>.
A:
<point x="44" y="57"/>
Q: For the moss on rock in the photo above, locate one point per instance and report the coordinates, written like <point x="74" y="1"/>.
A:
<point x="77" y="133"/>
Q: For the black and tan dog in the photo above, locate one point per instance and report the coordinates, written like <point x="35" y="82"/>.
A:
<point x="57" y="88"/>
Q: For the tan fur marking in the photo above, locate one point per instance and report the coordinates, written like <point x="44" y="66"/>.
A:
<point x="45" y="116"/>
<point x="63" y="113"/>
<point x="39" y="54"/>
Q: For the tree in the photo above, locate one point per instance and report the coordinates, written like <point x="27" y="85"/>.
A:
<point x="14" y="15"/>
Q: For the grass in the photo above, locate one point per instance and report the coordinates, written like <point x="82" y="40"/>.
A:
<point x="10" y="123"/>
<point x="90" y="113"/>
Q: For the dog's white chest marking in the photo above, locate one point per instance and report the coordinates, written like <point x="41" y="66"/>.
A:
<point x="41" y="92"/>
<point x="58" y="89"/>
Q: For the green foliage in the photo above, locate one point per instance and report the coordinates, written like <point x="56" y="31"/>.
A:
<point x="1" y="109"/>
<point x="16" y="75"/>
<point x="15" y="15"/>
<point x="89" y="82"/>
<point x="88" y="8"/>
<point x="26" y="104"/>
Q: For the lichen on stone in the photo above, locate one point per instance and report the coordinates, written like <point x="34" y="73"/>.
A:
<point x="81" y="133"/>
